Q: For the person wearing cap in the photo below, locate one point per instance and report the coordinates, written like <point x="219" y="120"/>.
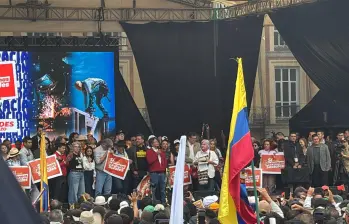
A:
<point x="119" y="185"/>
<point x="86" y="217"/>
<point x="103" y="180"/>
<point x="120" y="136"/>
<point x="174" y="153"/>
<point x="13" y="158"/>
<point x="139" y="166"/>
<point x="83" y="140"/>
<point x="76" y="180"/>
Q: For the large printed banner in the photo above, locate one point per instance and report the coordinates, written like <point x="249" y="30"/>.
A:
<point x="8" y="125"/>
<point x="187" y="177"/>
<point x="272" y="164"/>
<point x="249" y="178"/>
<point x="116" y="166"/>
<point x="53" y="168"/>
<point x="8" y="80"/>
<point x="23" y="175"/>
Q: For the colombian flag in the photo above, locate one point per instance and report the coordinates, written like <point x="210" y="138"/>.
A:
<point x="44" y="200"/>
<point x="234" y="205"/>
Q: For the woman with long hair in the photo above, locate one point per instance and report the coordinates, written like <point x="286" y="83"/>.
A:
<point x="269" y="180"/>
<point x="174" y="153"/>
<point x="304" y="145"/>
<point x="89" y="170"/>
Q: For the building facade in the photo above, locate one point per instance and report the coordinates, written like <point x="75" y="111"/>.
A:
<point x="282" y="87"/>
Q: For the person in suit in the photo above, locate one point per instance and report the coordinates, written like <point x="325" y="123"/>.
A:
<point x="294" y="156"/>
<point x="319" y="162"/>
<point x="36" y="138"/>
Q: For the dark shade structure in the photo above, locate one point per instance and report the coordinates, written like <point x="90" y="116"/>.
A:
<point x="177" y="71"/>
<point x="318" y="36"/>
<point x="15" y="207"/>
<point x="321" y="112"/>
<point x="128" y="117"/>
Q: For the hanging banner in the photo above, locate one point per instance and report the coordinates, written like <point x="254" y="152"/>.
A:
<point x="116" y="166"/>
<point x="8" y="80"/>
<point x="8" y="125"/>
<point x="272" y="164"/>
<point x="53" y="168"/>
<point x="249" y="178"/>
<point x="23" y="175"/>
<point x="187" y="177"/>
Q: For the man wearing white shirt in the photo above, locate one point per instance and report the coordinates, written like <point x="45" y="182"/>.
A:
<point x="192" y="148"/>
<point x="206" y="160"/>
<point x="26" y="154"/>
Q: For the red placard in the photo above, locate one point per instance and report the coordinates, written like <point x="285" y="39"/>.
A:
<point x="249" y="178"/>
<point x="187" y="177"/>
<point x="53" y="168"/>
<point x="8" y="80"/>
<point x="272" y="164"/>
<point x="144" y="186"/>
<point x="23" y="175"/>
<point x="116" y="166"/>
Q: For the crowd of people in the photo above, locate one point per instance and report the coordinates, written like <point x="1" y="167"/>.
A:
<point x="94" y="196"/>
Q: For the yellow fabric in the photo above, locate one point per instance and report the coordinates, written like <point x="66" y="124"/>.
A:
<point x="227" y="212"/>
<point x="43" y="169"/>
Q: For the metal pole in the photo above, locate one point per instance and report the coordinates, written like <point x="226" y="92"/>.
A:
<point x="255" y="191"/>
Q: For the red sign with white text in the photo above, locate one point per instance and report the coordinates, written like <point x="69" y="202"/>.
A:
<point x="116" y="166"/>
<point x="272" y="164"/>
<point x="249" y="178"/>
<point x="8" y="80"/>
<point x="144" y="186"/>
<point x="53" y="168"/>
<point x="187" y="177"/>
<point x="23" y="175"/>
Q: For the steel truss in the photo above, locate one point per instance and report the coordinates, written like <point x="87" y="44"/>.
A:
<point x="23" y="42"/>
<point x="195" y="3"/>
<point x="48" y="13"/>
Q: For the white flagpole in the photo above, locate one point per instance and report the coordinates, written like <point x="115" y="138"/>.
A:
<point x="177" y="192"/>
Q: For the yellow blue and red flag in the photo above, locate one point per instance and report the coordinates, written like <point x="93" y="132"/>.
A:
<point x="44" y="199"/>
<point x="234" y="205"/>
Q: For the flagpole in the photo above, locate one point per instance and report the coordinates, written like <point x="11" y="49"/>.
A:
<point x="255" y="192"/>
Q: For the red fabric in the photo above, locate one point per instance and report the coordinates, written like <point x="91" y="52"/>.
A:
<point x="153" y="161"/>
<point x="62" y="159"/>
<point x="240" y="156"/>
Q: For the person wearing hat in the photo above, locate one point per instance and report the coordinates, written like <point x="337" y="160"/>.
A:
<point x="13" y="156"/>
<point x="86" y="217"/>
<point x="119" y="185"/>
<point x="120" y="136"/>
<point x="83" y="140"/>
<point x="174" y="153"/>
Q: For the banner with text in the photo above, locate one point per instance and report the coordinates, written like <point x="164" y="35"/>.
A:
<point x="144" y="186"/>
<point x="8" y="125"/>
<point x="187" y="177"/>
<point x="272" y="164"/>
<point x="116" y="166"/>
<point x="23" y="175"/>
<point x="249" y="178"/>
<point x="8" y="80"/>
<point x="53" y="168"/>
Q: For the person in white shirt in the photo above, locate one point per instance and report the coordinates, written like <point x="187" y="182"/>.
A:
<point x="269" y="180"/>
<point x="26" y="154"/>
<point x="89" y="170"/>
<point x="206" y="160"/>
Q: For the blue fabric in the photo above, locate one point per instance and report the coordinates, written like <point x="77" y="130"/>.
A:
<point x="76" y="183"/>
<point x="103" y="180"/>
<point x="158" y="183"/>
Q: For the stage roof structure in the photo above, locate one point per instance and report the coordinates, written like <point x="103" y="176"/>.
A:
<point x="44" y="12"/>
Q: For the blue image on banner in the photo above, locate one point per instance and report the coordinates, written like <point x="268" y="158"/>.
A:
<point x="94" y="73"/>
<point x="20" y="108"/>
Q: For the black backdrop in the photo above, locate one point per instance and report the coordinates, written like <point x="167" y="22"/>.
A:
<point x="176" y="67"/>
<point x="318" y="36"/>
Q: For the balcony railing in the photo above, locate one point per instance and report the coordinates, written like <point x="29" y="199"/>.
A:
<point x="261" y="116"/>
<point x="286" y="112"/>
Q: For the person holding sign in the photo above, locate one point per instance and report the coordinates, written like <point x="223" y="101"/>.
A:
<point x="119" y="185"/>
<point x="269" y="180"/>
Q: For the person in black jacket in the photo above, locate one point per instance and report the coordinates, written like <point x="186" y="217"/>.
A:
<point x="139" y="165"/>
<point x="293" y="153"/>
<point x="36" y="138"/>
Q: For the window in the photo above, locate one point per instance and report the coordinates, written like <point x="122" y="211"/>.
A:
<point x="279" y="43"/>
<point x="286" y="92"/>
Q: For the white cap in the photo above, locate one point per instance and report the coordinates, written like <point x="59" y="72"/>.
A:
<point x="209" y="200"/>
<point x="176" y="141"/>
<point x="151" y="136"/>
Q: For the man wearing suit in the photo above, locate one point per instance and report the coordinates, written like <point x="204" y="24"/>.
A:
<point x="36" y="138"/>
<point x="319" y="161"/>
<point x="192" y="148"/>
<point x="294" y="156"/>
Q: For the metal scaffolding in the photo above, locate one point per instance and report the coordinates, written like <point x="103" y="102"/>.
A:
<point x="49" y="13"/>
<point x="24" y="42"/>
<point x="195" y="3"/>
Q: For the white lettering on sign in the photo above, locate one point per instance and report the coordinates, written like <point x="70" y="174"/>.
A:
<point x="5" y="81"/>
<point x="115" y="165"/>
<point x="51" y="167"/>
<point x="274" y="164"/>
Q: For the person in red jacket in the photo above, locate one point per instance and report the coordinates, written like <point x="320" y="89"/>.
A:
<point x="157" y="165"/>
<point x="61" y="185"/>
